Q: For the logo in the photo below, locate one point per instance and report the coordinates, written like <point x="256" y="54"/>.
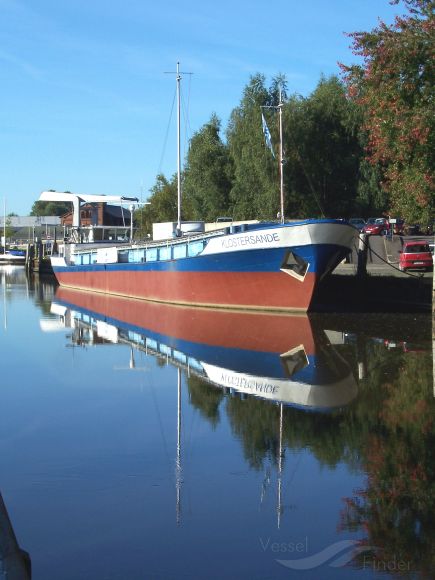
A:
<point x="336" y="555"/>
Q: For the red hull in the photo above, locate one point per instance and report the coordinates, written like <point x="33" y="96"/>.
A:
<point x="250" y="290"/>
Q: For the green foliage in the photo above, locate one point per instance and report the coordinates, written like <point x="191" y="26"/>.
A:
<point x="394" y="88"/>
<point x="255" y="191"/>
<point x="366" y="151"/>
<point x="162" y="208"/>
<point x="207" y="176"/>
<point x="256" y="424"/>
<point x="205" y="398"/>
<point x="40" y="208"/>
<point x="8" y="230"/>
<point x="322" y="152"/>
<point x="240" y="178"/>
<point x="371" y="199"/>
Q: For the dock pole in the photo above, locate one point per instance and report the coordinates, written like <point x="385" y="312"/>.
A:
<point x="362" y="256"/>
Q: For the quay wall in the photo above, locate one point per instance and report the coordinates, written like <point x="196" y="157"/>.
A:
<point x="381" y="290"/>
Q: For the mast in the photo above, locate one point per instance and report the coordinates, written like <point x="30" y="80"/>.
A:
<point x="5" y="316"/>
<point x="4" y="226"/>
<point x="281" y="157"/>
<point x="178" y="148"/>
<point x="178" y="78"/>
<point x="279" y="108"/>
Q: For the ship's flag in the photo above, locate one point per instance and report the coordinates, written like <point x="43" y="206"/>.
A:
<point x="267" y="135"/>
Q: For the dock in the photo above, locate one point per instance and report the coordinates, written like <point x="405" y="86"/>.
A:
<point x="37" y="259"/>
<point x="379" y="286"/>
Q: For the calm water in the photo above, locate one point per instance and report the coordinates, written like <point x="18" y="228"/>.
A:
<point x="146" y="442"/>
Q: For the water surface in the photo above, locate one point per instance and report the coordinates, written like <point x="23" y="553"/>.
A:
<point x="141" y="441"/>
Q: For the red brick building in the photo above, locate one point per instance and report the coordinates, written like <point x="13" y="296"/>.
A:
<point x="99" y="214"/>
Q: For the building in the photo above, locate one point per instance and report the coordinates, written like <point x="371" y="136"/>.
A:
<point x="99" y="214"/>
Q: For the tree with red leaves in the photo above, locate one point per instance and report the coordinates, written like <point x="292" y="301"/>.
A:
<point x="395" y="88"/>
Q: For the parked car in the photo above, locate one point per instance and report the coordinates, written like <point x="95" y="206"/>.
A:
<point x="415" y="255"/>
<point x="376" y="226"/>
<point x="412" y="229"/>
<point x="358" y="223"/>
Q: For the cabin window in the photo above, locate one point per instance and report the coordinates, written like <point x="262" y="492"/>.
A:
<point x="151" y="255"/>
<point x="136" y="255"/>
<point x="194" y="364"/>
<point x="179" y="357"/>
<point x="135" y="337"/>
<point x="165" y="253"/>
<point x="294" y="265"/>
<point x="195" y="248"/>
<point x="164" y="349"/>
<point x="180" y="251"/>
<point x="151" y="343"/>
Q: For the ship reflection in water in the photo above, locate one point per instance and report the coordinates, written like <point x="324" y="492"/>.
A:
<point x="282" y="358"/>
<point x="285" y="430"/>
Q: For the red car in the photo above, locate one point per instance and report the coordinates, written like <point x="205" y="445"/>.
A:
<point x="415" y="255"/>
<point x="376" y="226"/>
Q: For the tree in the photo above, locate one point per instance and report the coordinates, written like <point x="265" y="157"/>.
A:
<point x="162" y="208"/>
<point x="255" y="191"/>
<point x="322" y="152"/>
<point x="8" y="229"/>
<point x="372" y="199"/>
<point x="207" y="176"/>
<point x="394" y="86"/>
<point x="40" y="208"/>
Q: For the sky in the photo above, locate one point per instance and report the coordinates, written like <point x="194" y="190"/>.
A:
<point x="85" y="102"/>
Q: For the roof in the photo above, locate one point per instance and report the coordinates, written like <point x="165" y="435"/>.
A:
<point x="30" y="221"/>
<point x="87" y="198"/>
<point x="415" y="243"/>
<point x="117" y="211"/>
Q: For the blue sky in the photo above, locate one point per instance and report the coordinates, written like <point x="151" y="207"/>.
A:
<point x="85" y="105"/>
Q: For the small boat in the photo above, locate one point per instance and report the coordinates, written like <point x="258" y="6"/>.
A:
<point x="14" y="257"/>
<point x="255" y="266"/>
<point x="283" y="358"/>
